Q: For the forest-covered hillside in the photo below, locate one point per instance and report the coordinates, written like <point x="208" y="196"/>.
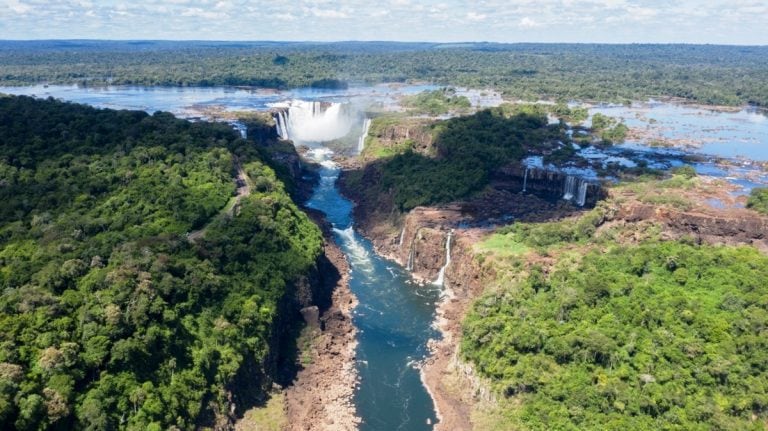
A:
<point x="110" y="317"/>
<point x="581" y="332"/>
<point x="705" y="73"/>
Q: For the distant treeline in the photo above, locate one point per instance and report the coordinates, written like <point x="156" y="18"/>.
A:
<point x="708" y="74"/>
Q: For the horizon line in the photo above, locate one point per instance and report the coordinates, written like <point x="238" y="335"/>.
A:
<point x="415" y="42"/>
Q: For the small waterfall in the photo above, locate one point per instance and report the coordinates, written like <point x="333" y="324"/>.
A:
<point x="409" y="264"/>
<point x="240" y="127"/>
<point x="575" y="190"/>
<point x="361" y="140"/>
<point x="441" y="275"/>
<point x="569" y="190"/>
<point x="402" y="238"/>
<point x="525" y="178"/>
<point x="581" y="198"/>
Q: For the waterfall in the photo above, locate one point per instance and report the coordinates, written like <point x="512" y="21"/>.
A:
<point x="240" y="127"/>
<point x="361" y="140"/>
<point x="312" y="121"/>
<point x="281" y="122"/>
<point x="570" y="187"/>
<point x="441" y="275"/>
<point x="525" y="178"/>
<point x="581" y="198"/>
<point x="575" y="190"/>
<point x="402" y="238"/>
<point x="409" y="264"/>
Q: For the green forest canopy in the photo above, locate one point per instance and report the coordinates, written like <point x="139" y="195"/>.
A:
<point x="655" y="336"/>
<point x="109" y="317"/>
<point x="710" y="74"/>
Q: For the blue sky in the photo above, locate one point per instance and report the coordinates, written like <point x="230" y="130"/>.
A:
<point x="613" y="21"/>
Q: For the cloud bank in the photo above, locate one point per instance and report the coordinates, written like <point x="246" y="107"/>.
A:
<point x="611" y="21"/>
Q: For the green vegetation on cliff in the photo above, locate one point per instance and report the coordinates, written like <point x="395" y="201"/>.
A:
<point x="656" y="335"/>
<point x="110" y="318"/>
<point x="758" y="200"/>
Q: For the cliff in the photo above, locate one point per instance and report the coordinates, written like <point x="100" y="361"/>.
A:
<point x="321" y="390"/>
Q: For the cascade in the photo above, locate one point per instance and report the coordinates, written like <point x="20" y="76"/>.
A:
<point x="304" y="121"/>
<point x="402" y="238"/>
<point x="409" y="265"/>
<point x="361" y="140"/>
<point x="525" y="178"/>
<point x="570" y="187"/>
<point x="581" y="198"/>
<point x="281" y="123"/>
<point x="441" y="275"/>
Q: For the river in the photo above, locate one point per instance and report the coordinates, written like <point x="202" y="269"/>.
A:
<point x="394" y="320"/>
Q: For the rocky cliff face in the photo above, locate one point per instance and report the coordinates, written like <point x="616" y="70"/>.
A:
<point x="415" y="130"/>
<point x="309" y="295"/>
<point x="547" y="184"/>
<point x="733" y="226"/>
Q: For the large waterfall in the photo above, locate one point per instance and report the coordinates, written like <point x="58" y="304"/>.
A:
<point x="303" y="121"/>
<point x="441" y="275"/>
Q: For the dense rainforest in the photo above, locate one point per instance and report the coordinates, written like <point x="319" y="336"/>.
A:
<point x="582" y="332"/>
<point x="709" y="74"/>
<point x="110" y="316"/>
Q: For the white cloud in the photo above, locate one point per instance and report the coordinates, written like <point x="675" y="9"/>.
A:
<point x="286" y="17"/>
<point x="527" y="22"/>
<point x="18" y="7"/>
<point x="474" y="16"/>
<point x="202" y="13"/>
<point x="711" y="21"/>
<point x="328" y="13"/>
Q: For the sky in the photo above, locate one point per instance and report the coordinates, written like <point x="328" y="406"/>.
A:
<point x="605" y="21"/>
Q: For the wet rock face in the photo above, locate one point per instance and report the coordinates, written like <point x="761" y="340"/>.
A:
<point x="428" y="248"/>
<point x="546" y="184"/>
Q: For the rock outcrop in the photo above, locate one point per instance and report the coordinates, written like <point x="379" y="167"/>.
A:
<point x="416" y="131"/>
<point x="731" y="226"/>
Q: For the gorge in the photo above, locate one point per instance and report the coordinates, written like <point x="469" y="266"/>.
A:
<point x="395" y="315"/>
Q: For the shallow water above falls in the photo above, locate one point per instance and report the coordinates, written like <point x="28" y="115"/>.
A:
<point x="394" y="318"/>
